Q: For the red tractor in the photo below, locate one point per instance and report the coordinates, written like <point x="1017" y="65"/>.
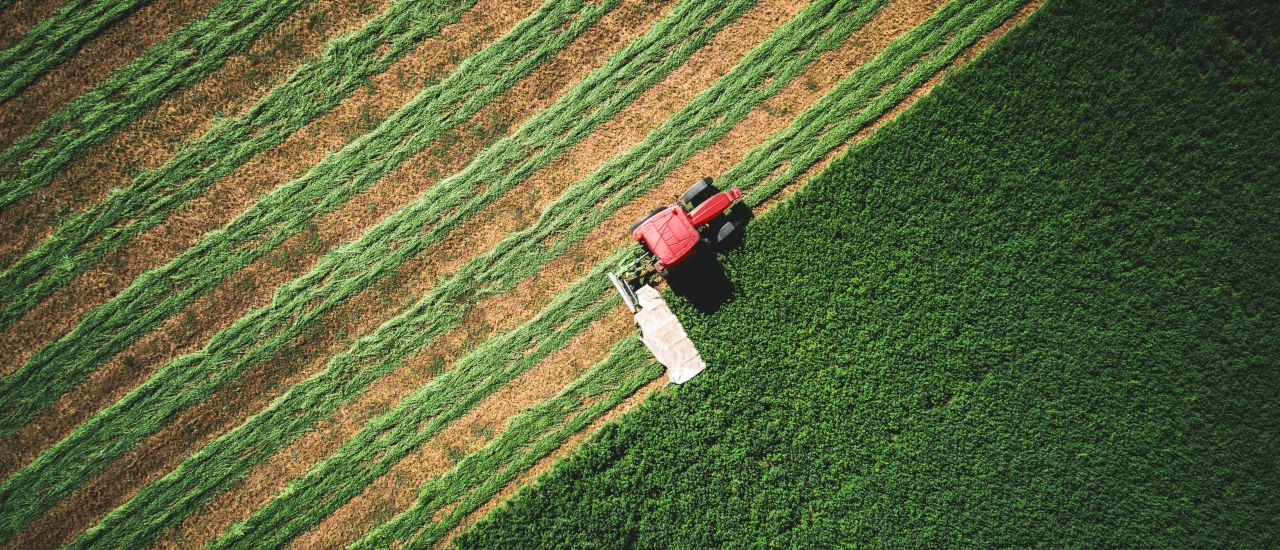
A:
<point x="669" y="236"/>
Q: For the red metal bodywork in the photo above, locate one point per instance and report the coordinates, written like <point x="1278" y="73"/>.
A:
<point x="672" y="233"/>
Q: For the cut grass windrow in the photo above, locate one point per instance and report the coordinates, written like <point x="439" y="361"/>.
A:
<point x="421" y="415"/>
<point x="342" y="273"/>
<point x="346" y="63"/>
<point x="287" y="210"/>
<point x="178" y="61"/>
<point x="528" y="437"/>
<point x="183" y="491"/>
<point x="55" y="38"/>
<point x="606" y="91"/>
<point x="520" y="253"/>
<point x="870" y="92"/>
<point x="179" y="384"/>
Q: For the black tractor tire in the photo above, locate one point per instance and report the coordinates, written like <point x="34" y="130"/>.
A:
<point x="699" y="193"/>
<point x="644" y="219"/>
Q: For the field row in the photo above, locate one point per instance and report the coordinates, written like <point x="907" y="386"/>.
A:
<point x="301" y="306"/>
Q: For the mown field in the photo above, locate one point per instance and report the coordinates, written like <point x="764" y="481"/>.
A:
<point x="1039" y="309"/>
<point x="325" y="274"/>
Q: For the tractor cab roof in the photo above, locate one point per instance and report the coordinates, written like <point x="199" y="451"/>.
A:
<point x="669" y="235"/>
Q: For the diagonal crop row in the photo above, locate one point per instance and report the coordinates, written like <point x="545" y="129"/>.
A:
<point x="769" y="67"/>
<point x="54" y="474"/>
<point x="871" y="87"/>
<point x="605" y="92"/>
<point x="181" y="59"/>
<point x="442" y="307"/>
<point x="420" y="416"/>
<point x="55" y="38"/>
<point x="288" y="209"/>
<point x="529" y="436"/>
<point x="342" y="273"/>
<point x="346" y="63"/>
<point x="383" y="442"/>
<point x="869" y="92"/>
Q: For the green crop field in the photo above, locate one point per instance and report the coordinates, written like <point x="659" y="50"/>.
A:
<point x="361" y="302"/>
<point x="1041" y="309"/>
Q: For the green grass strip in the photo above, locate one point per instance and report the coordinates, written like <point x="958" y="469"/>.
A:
<point x="818" y="28"/>
<point x="827" y="125"/>
<point x="180" y="60"/>
<point x="606" y="91"/>
<point x="114" y="430"/>
<point x="420" y="416"/>
<point x="287" y="210"/>
<point x="55" y="38"/>
<point x="346" y="271"/>
<point x="862" y="87"/>
<point x="372" y="451"/>
<point x="529" y="436"/>
<point x="346" y="63"/>
<point x="441" y="304"/>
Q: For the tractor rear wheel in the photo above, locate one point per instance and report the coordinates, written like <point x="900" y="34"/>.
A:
<point x="645" y="218"/>
<point x="698" y="193"/>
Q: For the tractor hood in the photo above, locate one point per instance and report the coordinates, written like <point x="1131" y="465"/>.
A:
<point x="668" y="235"/>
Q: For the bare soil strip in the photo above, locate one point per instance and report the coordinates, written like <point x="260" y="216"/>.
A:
<point x="397" y="489"/>
<point x="116" y="46"/>
<point x="519" y="207"/>
<point x="153" y="139"/>
<point x="258" y="387"/>
<point x="251" y="287"/>
<point x="546" y="463"/>
<point x="370" y="308"/>
<point x="531" y="475"/>
<point x="21" y="15"/>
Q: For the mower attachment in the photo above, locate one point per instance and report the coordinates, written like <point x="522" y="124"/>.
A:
<point x="624" y="290"/>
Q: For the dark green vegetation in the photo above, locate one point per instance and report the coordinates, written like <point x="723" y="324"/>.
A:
<point x="56" y="38"/>
<point x="1042" y="307"/>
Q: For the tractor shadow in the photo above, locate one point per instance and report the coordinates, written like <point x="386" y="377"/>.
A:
<point x="703" y="282"/>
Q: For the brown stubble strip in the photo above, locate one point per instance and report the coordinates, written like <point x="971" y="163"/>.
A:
<point x="113" y="48"/>
<point x="218" y="205"/>
<point x="516" y="208"/>
<point x="397" y="489"/>
<point x="373" y="306"/>
<point x="549" y="461"/>
<point x="20" y="16"/>
<point x="530" y="476"/>
<point x="153" y="139"/>
<point x="191" y="328"/>
<point x="258" y="386"/>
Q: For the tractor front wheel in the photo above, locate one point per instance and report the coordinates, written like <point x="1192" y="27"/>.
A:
<point x="698" y="193"/>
